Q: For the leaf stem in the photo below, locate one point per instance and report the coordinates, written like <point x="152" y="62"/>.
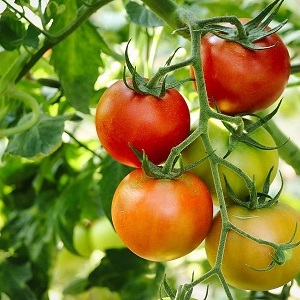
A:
<point x="71" y="135"/>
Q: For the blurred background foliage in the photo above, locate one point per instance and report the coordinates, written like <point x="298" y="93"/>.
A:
<point x="43" y="195"/>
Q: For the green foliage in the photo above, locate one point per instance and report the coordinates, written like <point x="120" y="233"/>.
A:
<point x="122" y="271"/>
<point x="39" y="141"/>
<point x="12" y="31"/>
<point x="56" y="173"/>
<point x="113" y="173"/>
<point x="76" y="59"/>
<point x="142" y="16"/>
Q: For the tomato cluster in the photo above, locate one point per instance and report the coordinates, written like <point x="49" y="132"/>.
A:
<point x="158" y="219"/>
<point x="164" y="218"/>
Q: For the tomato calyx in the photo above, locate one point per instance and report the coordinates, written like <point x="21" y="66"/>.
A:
<point x="155" y="171"/>
<point x="157" y="85"/>
<point x="162" y="172"/>
<point x="283" y="252"/>
<point x="257" y="200"/>
<point x="254" y="30"/>
<point x="241" y="133"/>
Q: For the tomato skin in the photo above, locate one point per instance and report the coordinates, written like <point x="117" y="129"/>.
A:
<point x="151" y="124"/>
<point x="274" y="224"/>
<point x="251" y="160"/>
<point x="161" y="219"/>
<point x="240" y="80"/>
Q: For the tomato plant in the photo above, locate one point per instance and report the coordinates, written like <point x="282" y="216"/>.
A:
<point x="239" y="80"/>
<point x="161" y="219"/>
<point x="53" y="172"/>
<point x="244" y="260"/>
<point x="152" y="124"/>
<point x="253" y="161"/>
<point x="103" y="236"/>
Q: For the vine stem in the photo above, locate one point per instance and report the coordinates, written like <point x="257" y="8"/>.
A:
<point x="8" y="79"/>
<point x="289" y="152"/>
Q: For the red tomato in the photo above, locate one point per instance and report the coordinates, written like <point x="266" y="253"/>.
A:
<point x="152" y="124"/>
<point x="161" y="219"/>
<point x="244" y="257"/>
<point x="240" y="80"/>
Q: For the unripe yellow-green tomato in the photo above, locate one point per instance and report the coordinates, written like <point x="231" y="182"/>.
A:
<point x="251" y="160"/>
<point x="103" y="236"/>
<point x="81" y="239"/>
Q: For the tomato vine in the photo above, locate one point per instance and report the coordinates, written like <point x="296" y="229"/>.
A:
<point x="196" y="30"/>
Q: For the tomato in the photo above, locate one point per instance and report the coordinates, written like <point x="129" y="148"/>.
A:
<point x="161" y="219"/>
<point x="253" y="161"/>
<point x="152" y="124"/>
<point x="81" y="240"/>
<point x="103" y="236"/>
<point x="240" y="80"/>
<point x="242" y="256"/>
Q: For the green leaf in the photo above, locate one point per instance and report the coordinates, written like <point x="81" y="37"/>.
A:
<point x="70" y="205"/>
<point x="29" y="235"/>
<point x="12" y="31"/>
<point x="133" y="277"/>
<point x="39" y="141"/>
<point x="112" y="173"/>
<point x="32" y="37"/>
<point x="13" y="280"/>
<point x="77" y="58"/>
<point x="142" y="16"/>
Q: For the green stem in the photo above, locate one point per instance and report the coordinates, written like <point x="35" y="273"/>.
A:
<point x="165" y="70"/>
<point x="175" y="151"/>
<point x="11" y="75"/>
<point x="36" y="114"/>
<point x="295" y="69"/>
<point x="289" y="152"/>
<point x="71" y="135"/>
<point x="242" y="34"/>
<point x="167" y="10"/>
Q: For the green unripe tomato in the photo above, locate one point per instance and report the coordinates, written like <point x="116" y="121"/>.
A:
<point x="81" y="240"/>
<point x="103" y="236"/>
<point x="253" y="161"/>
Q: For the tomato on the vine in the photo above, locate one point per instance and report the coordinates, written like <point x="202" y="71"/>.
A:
<point x="152" y="124"/>
<point x="243" y="257"/>
<point x="253" y="161"/>
<point x="161" y="219"/>
<point x="103" y="236"/>
<point x="81" y="239"/>
<point x="239" y="80"/>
